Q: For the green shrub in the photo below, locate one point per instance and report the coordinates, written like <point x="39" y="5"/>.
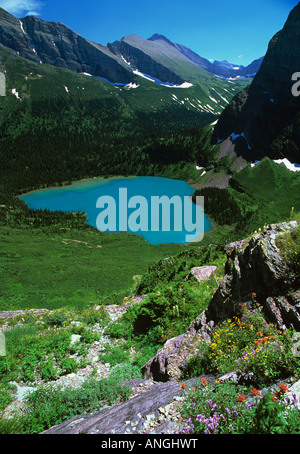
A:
<point x="164" y="313"/>
<point x="68" y="366"/>
<point x="47" y="370"/>
<point x="58" y="317"/>
<point x="6" y="395"/>
<point x="49" y="405"/>
<point x="115" y="355"/>
<point x="124" y="371"/>
<point x="290" y="246"/>
<point x="90" y="316"/>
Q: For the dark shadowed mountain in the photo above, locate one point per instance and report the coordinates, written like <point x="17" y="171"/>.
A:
<point x="265" y="117"/>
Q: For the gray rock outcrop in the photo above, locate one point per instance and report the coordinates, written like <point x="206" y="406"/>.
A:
<point x="253" y="267"/>
<point x="132" y="416"/>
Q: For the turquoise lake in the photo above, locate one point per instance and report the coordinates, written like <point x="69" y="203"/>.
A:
<point x="83" y="196"/>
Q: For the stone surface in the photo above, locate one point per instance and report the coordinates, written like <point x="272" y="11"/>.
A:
<point x="254" y="266"/>
<point x="203" y="272"/>
<point x="147" y="411"/>
<point x="55" y="44"/>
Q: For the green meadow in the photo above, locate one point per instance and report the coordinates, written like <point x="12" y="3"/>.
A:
<point x="76" y="268"/>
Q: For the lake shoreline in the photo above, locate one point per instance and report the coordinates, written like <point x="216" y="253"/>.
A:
<point x="70" y="184"/>
<point x="70" y="197"/>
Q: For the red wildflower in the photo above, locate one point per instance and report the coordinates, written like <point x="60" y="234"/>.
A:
<point x="204" y="381"/>
<point x="183" y="386"/>
<point x="283" y="388"/>
<point x="242" y="398"/>
<point x="255" y="392"/>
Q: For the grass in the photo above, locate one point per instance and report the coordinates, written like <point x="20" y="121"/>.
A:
<point x="43" y="271"/>
<point x="40" y="348"/>
<point x="49" y="405"/>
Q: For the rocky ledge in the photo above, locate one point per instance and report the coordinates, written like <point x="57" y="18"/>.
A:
<point x="254" y="267"/>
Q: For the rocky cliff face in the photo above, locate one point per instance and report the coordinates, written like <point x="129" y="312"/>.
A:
<point x="144" y="55"/>
<point x="55" y="44"/>
<point x="267" y="113"/>
<point x="253" y="266"/>
<point x="13" y="37"/>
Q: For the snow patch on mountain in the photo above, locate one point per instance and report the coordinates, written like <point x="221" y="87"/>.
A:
<point x="131" y="85"/>
<point x="159" y="82"/>
<point x="21" y="25"/>
<point x="15" y="93"/>
<point x="292" y="167"/>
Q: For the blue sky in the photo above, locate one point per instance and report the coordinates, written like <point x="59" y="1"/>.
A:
<point x="235" y="30"/>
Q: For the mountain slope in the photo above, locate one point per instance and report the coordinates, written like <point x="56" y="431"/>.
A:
<point x="59" y="125"/>
<point x="119" y="62"/>
<point x="266" y="113"/>
<point x="55" y="44"/>
<point x="222" y="69"/>
<point x="157" y="57"/>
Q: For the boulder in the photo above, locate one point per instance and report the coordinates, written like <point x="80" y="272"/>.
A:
<point x="254" y="268"/>
<point x="201" y="273"/>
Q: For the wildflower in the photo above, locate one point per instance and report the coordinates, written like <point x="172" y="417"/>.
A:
<point x="255" y="392"/>
<point x="204" y="381"/>
<point x="183" y="386"/>
<point x="283" y="388"/>
<point x="242" y="398"/>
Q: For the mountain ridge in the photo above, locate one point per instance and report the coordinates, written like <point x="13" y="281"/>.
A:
<point x="54" y="43"/>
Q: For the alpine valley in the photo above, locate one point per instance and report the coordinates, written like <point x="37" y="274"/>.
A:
<point x="107" y="333"/>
